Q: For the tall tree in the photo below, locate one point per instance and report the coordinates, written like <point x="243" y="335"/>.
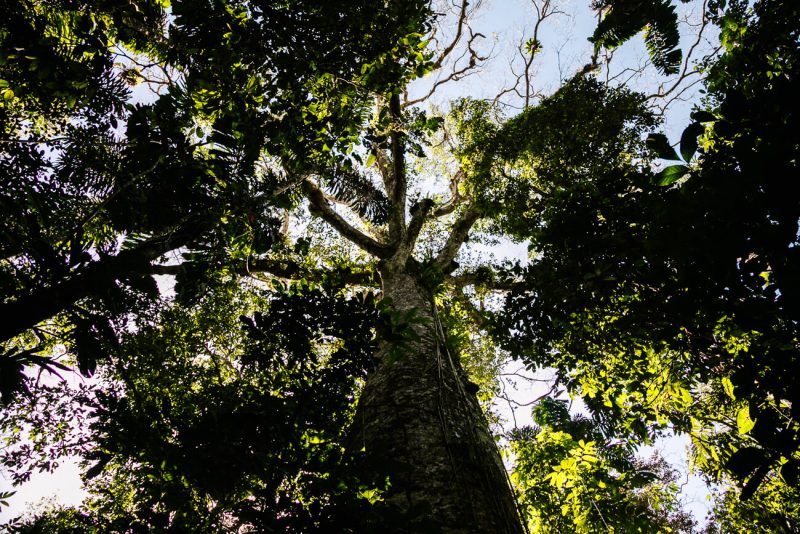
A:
<point x="299" y="110"/>
<point x="254" y="100"/>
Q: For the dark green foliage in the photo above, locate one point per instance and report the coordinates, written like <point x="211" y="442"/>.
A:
<point x="84" y="164"/>
<point x="557" y="154"/>
<point x="676" y="302"/>
<point x="219" y="426"/>
<point x="358" y="192"/>
<point x="562" y="158"/>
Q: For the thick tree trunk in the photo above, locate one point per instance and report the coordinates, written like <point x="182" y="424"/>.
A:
<point x="416" y="420"/>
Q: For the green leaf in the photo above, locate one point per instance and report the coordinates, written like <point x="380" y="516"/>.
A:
<point x="703" y="116"/>
<point x="659" y="144"/>
<point x="689" y="140"/>
<point x="727" y="385"/>
<point x="671" y="174"/>
<point x="743" y="421"/>
<point x="371" y="160"/>
<point x="5" y="495"/>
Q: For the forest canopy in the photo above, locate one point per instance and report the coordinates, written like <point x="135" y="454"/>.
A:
<point x="243" y="276"/>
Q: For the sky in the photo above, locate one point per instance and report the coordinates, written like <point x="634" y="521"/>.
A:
<point x="565" y="49"/>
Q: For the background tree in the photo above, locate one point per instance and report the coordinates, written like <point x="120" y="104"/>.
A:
<point x="213" y="420"/>
<point x="592" y="484"/>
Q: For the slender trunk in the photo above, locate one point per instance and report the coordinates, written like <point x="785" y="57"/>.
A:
<point x="416" y="421"/>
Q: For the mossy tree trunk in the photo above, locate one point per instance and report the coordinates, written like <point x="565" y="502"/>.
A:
<point x="417" y="422"/>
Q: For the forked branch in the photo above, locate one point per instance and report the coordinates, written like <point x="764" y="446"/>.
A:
<point x="458" y="235"/>
<point x="527" y="50"/>
<point x="460" y="69"/>
<point x="286" y="269"/>
<point x="419" y="214"/>
<point x="321" y="206"/>
<point x="456" y="199"/>
<point x="462" y="21"/>
<point x="457" y="73"/>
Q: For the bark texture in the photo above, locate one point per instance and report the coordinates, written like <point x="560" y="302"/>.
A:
<point x="416" y="420"/>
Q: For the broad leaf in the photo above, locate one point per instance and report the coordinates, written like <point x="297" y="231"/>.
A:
<point x="671" y="174"/>
<point x="659" y="144"/>
<point x="689" y="140"/>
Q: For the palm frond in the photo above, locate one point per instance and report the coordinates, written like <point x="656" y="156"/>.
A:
<point x="625" y="18"/>
<point x="359" y="193"/>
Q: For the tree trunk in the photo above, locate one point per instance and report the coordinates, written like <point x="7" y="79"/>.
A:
<point x="416" y="421"/>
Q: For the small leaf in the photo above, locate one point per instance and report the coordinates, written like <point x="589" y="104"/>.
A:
<point x="671" y="174"/>
<point x="371" y="160"/>
<point x="727" y="385"/>
<point x="659" y="144"/>
<point x="743" y="421"/>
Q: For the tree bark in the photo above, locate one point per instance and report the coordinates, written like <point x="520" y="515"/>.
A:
<point x="417" y="422"/>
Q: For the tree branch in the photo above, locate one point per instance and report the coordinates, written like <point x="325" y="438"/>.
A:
<point x="27" y="311"/>
<point x="397" y="196"/>
<point x="462" y="20"/>
<point x="384" y="169"/>
<point x="321" y="207"/>
<point x="474" y="313"/>
<point x="527" y="49"/>
<point x="458" y="73"/>
<point x="458" y="235"/>
<point x="419" y="214"/>
<point x="482" y="281"/>
<point x="286" y="269"/>
<point x="455" y="196"/>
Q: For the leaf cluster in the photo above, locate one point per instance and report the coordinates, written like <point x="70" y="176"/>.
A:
<point x="572" y="479"/>
<point x="223" y="420"/>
